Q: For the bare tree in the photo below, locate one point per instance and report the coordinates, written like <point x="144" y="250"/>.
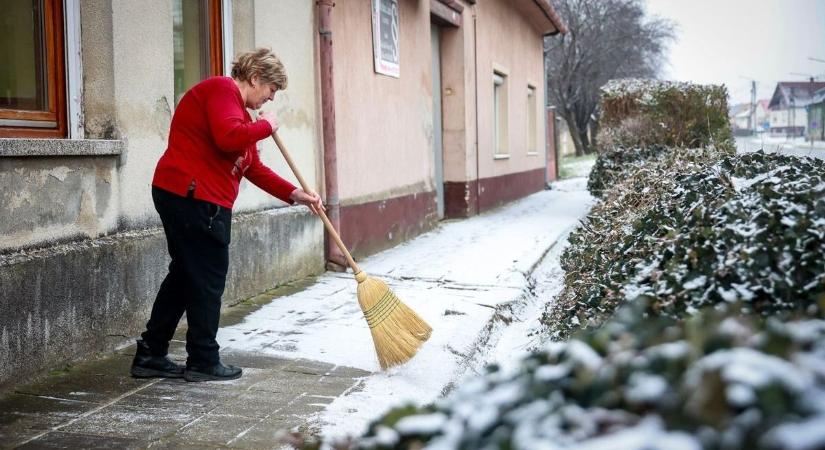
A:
<point x="606" y="39"/>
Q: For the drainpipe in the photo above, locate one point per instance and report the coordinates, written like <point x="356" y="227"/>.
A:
<point x="475" y="69"/>
<point x="332" y="253"/>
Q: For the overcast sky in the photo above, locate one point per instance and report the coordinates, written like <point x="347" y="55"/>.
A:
<point x="722" y="41"/>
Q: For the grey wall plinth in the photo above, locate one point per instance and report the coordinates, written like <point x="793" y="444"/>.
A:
<point x="68" y="302"/>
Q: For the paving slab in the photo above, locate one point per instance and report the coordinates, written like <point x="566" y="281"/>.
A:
<point x="98" y="405"/>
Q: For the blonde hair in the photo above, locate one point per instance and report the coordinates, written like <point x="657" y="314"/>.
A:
<point x="263" y="63"/>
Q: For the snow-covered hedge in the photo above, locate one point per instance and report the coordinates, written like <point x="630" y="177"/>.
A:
<point x="613" y="166"/>
<point x="639" y="112"/>
<point x="717" y="381"/>
<point x="688" y="229"/>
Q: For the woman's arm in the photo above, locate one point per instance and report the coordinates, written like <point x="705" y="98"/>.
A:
<point x="263" y="177"/>
<point x="227" y="122"/>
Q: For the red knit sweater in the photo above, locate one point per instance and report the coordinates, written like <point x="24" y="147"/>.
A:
<point x="212" y="145"/>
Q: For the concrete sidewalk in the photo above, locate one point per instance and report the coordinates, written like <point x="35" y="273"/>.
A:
<point x="97" y="404"/>
<point x="308" y="356"/>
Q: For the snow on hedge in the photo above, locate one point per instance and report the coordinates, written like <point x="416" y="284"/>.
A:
<point x="688" y="229"/>
<point x="718" y="380"/>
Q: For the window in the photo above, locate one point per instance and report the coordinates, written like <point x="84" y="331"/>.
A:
<point x="32" y="79"/>
<point x="198" y="42"/>
<point x="500" y="114"/>
<point x="531" y="120"/>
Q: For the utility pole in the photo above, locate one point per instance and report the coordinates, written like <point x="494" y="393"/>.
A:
<point x="753" y="107"/>
<point x="752" y="115"/>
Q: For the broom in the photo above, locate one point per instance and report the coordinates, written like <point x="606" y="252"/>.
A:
<point x="397" y="331"/>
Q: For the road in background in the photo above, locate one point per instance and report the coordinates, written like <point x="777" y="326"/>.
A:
<point x="797" y="147"/>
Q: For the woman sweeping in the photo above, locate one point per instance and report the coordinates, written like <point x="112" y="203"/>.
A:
<point x="211" y="147"/>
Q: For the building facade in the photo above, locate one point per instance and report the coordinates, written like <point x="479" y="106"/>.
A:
<point x="788" y="114"/>
<point x="416" y="110"/>
<point x="816" y="117"/>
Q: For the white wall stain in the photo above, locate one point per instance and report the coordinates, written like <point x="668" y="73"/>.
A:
<point x="60" y="172"/>
<point x="4" y="353"/>
<point x="17" y="200"/>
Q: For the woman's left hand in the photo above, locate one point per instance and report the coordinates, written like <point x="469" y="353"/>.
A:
<point x="308" y="199"/>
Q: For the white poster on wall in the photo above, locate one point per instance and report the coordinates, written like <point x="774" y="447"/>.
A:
<point x="385" y="37"/>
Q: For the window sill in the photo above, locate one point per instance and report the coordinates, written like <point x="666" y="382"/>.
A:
<point x="501" y="156"/>
<point x="22" y="147"/>
<point x="532" y="153"/>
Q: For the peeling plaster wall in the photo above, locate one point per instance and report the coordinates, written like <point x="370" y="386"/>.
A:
<point x="63" y="303"/>
<point x="54" y="198"/>
<point x="100" y="121"/>
<point x="243" y="25"/>
<point x="143" y="96"/>
<point x="129" y="89"/>
<point x="288" y="28"/>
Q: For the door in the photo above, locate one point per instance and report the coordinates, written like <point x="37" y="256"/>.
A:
<point x="437" y="132"/>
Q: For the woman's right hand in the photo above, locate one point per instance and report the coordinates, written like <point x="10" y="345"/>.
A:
<point x="270" y="117"/>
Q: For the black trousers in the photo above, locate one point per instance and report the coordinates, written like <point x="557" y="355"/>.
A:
<point x="197" y="235"/>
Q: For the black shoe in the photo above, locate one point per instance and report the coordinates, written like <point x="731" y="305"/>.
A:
<point x="218" y="372"/>
<point x="147" y="365"/>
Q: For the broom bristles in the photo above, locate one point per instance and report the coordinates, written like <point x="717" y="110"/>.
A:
<point x="397" y="331"/>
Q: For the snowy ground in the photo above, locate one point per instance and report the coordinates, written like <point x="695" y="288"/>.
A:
<point x="576" y="166"/>
<point x="463" y="278"/>
<point x="792" y="146"/>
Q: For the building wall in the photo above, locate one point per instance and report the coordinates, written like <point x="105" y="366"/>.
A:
<point x="288" y="27"/>
<point x="791" y="120"/>
<point x="383" y="124"/>
<point x="816" y="122"/>
<point x="384" y="129"/>
<point x="507" y="41"/>
<point x="44" y="197"/>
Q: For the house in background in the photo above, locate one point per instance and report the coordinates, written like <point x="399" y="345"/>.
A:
<point x="747" y="119"/>
<point x="788" y="116"/>
<point x="762" y="115"/>
<point x="416" y="110"/>
<point x="816" y="117"/>
<point x="741" y="119"/>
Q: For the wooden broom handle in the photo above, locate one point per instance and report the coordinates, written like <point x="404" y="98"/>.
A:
<point x="305" y="187"/>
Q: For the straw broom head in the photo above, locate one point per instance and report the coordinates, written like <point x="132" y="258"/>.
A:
<point x="397" y="331"/>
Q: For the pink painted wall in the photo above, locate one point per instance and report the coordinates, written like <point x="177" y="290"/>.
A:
<point x="458" y="99"/>
<point x="507" y="40"/>
<point x="383" y="124"/>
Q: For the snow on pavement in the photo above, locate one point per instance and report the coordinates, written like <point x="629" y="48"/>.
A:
<point x="453" y="276"/>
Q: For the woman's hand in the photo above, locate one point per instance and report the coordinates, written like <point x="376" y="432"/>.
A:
<point x="270" y="117"/>
<point x="309" y="199"/>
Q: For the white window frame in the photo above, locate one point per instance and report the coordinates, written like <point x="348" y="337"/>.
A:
<point x="228" y="42"/>
<point x="532" y="121"/>
<point x="501" y="113"/>
<point x="74" y="70"/>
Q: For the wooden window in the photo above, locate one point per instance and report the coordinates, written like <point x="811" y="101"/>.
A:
<point x="32" y="78"/>
<point x="198" y="42"/>
<point x="532" y="147"/>
<point x="500" y="114"/>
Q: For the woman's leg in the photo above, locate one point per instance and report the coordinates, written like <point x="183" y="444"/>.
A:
<point x="170" y="301"/>
<point x="208" y="263"/>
